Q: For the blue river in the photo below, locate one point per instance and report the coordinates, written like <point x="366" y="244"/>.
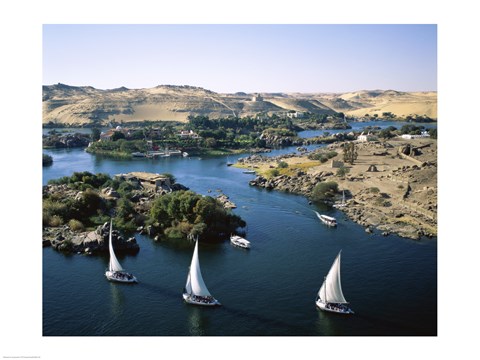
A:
<point x="390" y="282"/>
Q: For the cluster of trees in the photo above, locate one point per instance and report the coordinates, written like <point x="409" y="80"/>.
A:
<point x="349" y="153"/>
<point x="176" y="215"/>
<point x="235" y="133"/>
<point x="324" y="191"/>
<point x="185" y="214"/>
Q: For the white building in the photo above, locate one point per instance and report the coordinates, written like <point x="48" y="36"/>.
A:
<point x="296" y="114"/>
<point x="424" y="134"/>
<point x="366" y="137"/>
<point x="188" y="134"/>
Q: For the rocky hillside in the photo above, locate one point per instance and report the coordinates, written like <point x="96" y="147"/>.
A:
<point x="64" y="104"/>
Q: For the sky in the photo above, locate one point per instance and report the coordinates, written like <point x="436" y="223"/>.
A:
<point x="230" y="58"/>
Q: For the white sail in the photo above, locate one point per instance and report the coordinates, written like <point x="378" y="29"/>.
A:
<point x="331" y="289"/>
<point x="114" y="265"/>
<point x="195" y="284"/>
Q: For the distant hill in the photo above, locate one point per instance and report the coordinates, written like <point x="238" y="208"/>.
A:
<point x="77" y="105"/>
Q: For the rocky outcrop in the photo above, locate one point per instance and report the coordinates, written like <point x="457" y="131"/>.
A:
<point x="226" y="202"/>
<point x="91" y="242"/>
<point x="301" y="183"/>
<point x="66" y="141"/>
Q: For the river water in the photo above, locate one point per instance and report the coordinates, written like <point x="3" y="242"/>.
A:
<point x="390" y="282"/>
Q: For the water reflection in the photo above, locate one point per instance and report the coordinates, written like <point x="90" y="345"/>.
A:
<point x="118" y="300"/>
<point x="325" y="324"/>
<point x="196" y="321"/>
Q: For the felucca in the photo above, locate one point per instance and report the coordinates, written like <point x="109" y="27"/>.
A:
<point x="115" y="272"/>
<point x="196" y="291"/>
<point x="330" y="296"/>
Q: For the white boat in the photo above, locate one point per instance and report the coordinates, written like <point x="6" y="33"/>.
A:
<point x="196" y="291"/>
<point x="115" y="271"/>
<point x="327" y="220"/>
<point x="343" y="203"/>
<point x="138" y="154"/>
<point x="240" y="242"/>
<point x="249" y="172"/>
<point x="330" y="296"/>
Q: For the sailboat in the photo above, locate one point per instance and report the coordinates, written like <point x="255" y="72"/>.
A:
<point x="195" y="291"/>
<point x="343" y="203"/>
<point x="330" y="296"/>
<point x="115" y="271"/>
<point x="327" y="220"/>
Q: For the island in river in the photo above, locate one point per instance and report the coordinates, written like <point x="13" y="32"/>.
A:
<point x="77" y="209"/>
<point x="391" y="185"/>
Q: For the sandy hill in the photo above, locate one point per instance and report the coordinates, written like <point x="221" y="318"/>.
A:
<point x="399" y="103"/>
<point x="75" y="105"/>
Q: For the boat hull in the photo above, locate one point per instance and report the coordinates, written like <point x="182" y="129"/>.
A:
<point x="240" y="242"/>
<point x="334" y="308"/>
<point x="120" y="277"/>
<point x="190" y="300"/>
<point x="328" y="222"/>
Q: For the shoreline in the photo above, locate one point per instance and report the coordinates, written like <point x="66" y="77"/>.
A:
<point x="385" y="189"/>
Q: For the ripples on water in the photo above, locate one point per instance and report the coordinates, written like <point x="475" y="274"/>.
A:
<point x="268" y="290"/>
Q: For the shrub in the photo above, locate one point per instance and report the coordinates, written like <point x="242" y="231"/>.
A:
<point x="342" y="171"/>
<point x="324" y="191"/>
<point x="76" y="225"/>
<point x="374" y="190"/>
<point x="55" y="221"/>
<point x="282" y="165"/>
<point x="47" y="160"/>
<point x="273" y="172"/>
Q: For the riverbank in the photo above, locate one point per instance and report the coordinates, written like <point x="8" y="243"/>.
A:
<point x="391" y="187"/>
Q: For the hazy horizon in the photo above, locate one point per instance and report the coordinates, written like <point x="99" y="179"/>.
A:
<point x="239" y="91"/>
<point x="243" y="58"/>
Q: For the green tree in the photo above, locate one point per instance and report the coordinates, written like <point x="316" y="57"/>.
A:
<point x="117" y="135"/>
<point x="342" y="171"/>
<point x="324" y="191"/>
<point x="95" y="135"/>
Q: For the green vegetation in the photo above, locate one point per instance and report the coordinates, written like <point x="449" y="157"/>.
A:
<point x="322" y="156"/>
<point x="342" y="171"/>
<point x="176" y="215"/>
<point x="47" y="160"/>
<point x="324" y="191"/>
<point x="282" y="165"/>
<point x="207" y="137"/>
<point x="388" y="115"/>
<point x="419" y="118"/>
<point x="272" y="173"/>
<point x="184" y="214"/>
<point x="388" y="132"/>
<point x="76" y="225"/>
